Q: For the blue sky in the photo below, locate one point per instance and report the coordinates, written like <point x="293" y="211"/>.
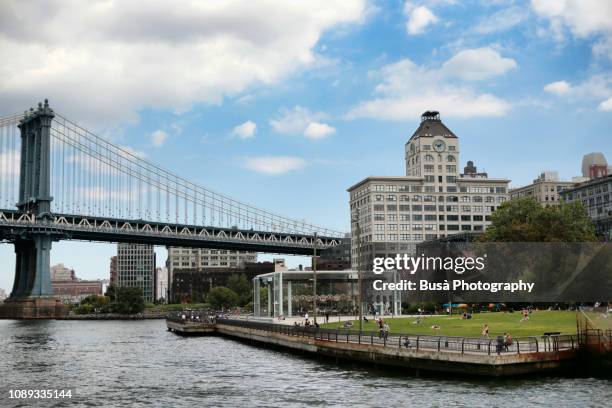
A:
<point x="286" y="105"/>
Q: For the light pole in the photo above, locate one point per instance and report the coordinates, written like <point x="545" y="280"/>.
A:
<point x="314" y="279"/>
<point x="359" y="300"/>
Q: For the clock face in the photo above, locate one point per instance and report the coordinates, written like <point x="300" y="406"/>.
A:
<point x="439" y="145"/>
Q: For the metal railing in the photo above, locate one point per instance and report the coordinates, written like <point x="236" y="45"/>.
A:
<point x="195" y="316"/>
<point x="462" y="345"/>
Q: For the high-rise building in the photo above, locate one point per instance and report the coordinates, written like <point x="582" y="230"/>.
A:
<point x="136" y="268"/>
<point x="161" y="283"/>
<point x="545" y="189"/>
<point x="189" y="259"/>
<point x="113" y="270"/>
<point x="594" y="166"/>
<point x="434" y="199"/>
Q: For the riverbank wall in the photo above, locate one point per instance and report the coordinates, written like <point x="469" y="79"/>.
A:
<point x="454" y="356"/>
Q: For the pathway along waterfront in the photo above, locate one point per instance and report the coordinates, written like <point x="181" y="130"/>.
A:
<point x="459" y="355"/>
<point x="139" y="363"/>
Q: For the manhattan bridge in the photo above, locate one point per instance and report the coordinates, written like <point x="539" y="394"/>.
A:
<point x="59" y="181"/>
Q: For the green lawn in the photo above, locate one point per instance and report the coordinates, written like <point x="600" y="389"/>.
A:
<point x="499" y="322"/>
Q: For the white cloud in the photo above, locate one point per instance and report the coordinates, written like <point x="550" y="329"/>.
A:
<point x="501" y="20"/>
<point x="102" y="61"/>
<point x="583" y="18"/>
<point x="158" y="138"/>
<point x="606" y="106"/>
<point x="558" y="87"/>
<point x="478" y="64"/>
<point x="302" y="121"/>
<point x="245" y="130"/>
<point x="596" y="88"/>
<point x="419" y="18"/>
<point x="274" y="165"/>
<point x="406" y="90"/>
<point x="316" y="130"/>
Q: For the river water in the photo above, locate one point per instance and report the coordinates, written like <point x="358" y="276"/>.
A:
<point x="139" y="363"/>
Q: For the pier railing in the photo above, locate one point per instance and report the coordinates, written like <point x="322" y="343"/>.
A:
<point x="195" y="316"/>
<point x="489" y="346"/>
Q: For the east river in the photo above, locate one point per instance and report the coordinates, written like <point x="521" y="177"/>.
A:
<point x="140" y="364"/>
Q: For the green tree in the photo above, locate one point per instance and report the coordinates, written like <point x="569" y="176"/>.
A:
<point x="129" y="300"/>
<point x="525" y="220"/>
<point x="242" y="287"/>
<point x="110" y="291"/>
<point x="222" y="297"/>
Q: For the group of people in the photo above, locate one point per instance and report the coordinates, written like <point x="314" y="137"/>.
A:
<point x="507" y="338"/>
<point x="383" y="329"/>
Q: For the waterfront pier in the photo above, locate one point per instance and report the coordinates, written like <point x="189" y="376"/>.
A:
<point x="442" y="354"/>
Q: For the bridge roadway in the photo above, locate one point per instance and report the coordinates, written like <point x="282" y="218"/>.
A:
<point x="15" y="224"/>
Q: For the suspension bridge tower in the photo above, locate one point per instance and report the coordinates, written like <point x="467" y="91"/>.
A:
<point x="32" y="296"/>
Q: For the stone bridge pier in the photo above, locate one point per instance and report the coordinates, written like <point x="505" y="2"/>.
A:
<point x="32" y="295"/>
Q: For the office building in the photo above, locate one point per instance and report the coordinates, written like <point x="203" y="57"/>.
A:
<point x="595" y="165"/>
<point x="60" y="272"/>
<point x="192" y="285"/>
<point x="162" y="283"/>
<point x="113" y="270"/>
<point x="545" y="188"/>
<point x="336" y="258"/>
<point x="136" y="268"/>
<point x="391" y="214"/>
<point x="69" y="288"/>
<point x="190" y="259"/>
<point x="595" y="197"/>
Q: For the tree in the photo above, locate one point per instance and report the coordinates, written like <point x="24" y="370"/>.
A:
<point x="110" y="291"/>
<point x="242" y="287"/>
<point x="129" y="300"/>
<point x="525" y="220"/>
<point x="221" y="297"/>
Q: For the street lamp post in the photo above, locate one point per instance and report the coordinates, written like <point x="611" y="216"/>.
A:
<point x="314" y="279"/>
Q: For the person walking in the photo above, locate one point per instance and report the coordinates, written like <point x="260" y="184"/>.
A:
<point x="386" y="329"/>
<point x="485" y="331"/>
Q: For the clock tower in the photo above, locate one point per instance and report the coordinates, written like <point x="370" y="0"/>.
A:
<point x="432" y="151"/>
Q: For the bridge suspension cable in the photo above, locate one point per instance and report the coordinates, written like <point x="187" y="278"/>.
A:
<point x="92" y="176"/>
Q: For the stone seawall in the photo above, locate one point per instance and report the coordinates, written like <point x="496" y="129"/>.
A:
<point x="494" y="365"/>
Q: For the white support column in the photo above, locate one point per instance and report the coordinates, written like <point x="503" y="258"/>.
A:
<point x="270" y="293"/>
<point x="289" y="308"/>
<point x="280" y="294"/>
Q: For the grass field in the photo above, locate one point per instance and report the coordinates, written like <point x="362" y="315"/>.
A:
<point x="539" y="322"/>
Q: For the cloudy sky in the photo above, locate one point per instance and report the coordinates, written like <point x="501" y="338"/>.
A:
<point x="286" y="104"/>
